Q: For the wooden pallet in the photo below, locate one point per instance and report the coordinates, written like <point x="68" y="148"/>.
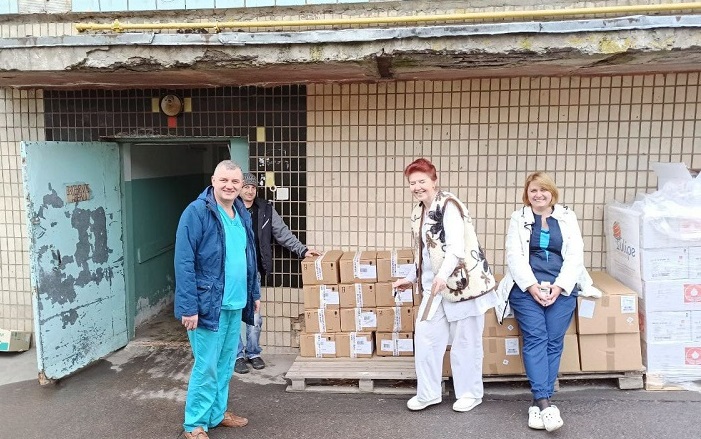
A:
<point x="397" y="375"/>
<point x="380" y="375"/>
<point x="661" y="382"/>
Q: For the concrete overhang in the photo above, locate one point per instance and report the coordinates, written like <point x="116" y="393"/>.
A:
<point x="627" y="45"/>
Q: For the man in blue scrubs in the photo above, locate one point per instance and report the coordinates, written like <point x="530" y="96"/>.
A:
<point x="216" y="287"/>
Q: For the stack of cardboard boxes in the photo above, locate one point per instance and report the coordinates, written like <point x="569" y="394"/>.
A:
<point x="603" y="336"/>
<point x="351" y="309"/>
<point x="657" y="253"/>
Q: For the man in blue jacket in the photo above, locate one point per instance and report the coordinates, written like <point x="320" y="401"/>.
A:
<point x="216" y="286"/>
<point x="267" y="225"/>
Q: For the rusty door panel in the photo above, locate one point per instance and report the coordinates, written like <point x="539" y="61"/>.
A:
<point x="73" y="204"/>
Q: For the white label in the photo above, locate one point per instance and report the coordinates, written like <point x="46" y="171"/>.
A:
<point x="359" y="295"/>
<point x="366" y="319"/>
<point x="387" y="346"/>
<point x="403" y="296"/>
<point x="322" y="320"/>
<point x="404" y="270"/>
<point x="586" y="309"/>
<point x="511" y="346"/>
<point x="351" y="343"/>
<point x="397" y="319"/>
<point x="405" y="345"/>
<point x="327" y="296"/>
<point x="510" y="327"/>
<point x="366" y="271"/>
<point x="322" y="346"/>
<point x="317" y="267"/>
<point x="361" y="346"/>
<point x="628" y="304"/>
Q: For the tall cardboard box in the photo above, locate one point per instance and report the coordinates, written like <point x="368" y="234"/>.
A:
<point x="14" y="341"/>
<point x="395" y="264"/>
<point x="386" y="296"/>
<point x="610" y="352"/>
<point x="324" y="269"/>
<point x="357" y="295"/>
<point x="616" y="312"/>
<point x="321" y="296"/>
<point x="395" y="319"/>
<point x="322" y="320"/>
<point x="358" y="319"/>
<point x="502" y="356"/>
<point x="569" y="362"/>
<point x="395" y="344"/>
<point x="360" y="266"/>
<point x="317" y="345"/>
<point x="355" y="344"/>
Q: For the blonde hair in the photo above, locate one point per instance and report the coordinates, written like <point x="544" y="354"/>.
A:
<point x="545" y="182"/>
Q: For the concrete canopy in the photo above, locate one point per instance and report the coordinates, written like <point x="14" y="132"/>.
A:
<point x="627" y="45"/>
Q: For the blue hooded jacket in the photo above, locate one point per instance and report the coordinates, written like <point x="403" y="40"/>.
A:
<point x="199" y="262"/>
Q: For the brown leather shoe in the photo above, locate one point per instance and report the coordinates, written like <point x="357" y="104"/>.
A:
<point x="231" y="420"/>
<point x="197" y="433"/>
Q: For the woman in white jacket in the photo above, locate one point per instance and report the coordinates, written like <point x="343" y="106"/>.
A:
<point x="545" y="264"/>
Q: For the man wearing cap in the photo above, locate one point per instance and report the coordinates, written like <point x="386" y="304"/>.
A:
<point x="267" y="225"/>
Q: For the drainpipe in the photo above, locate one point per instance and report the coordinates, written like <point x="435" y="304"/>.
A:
<point x="116" y="26"/>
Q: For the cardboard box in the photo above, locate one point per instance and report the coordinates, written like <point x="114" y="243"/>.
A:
<point x="395" y="319"/>
<point x="358" y="266"/>
<point x="14" y="341"/>
<point x="395" y="344"/>
<point x="694" y="255"/>
<point x="418" y="297"/>
<point x="673" y="358"/>
<point x="357" y="295"/>
<point x="395" y="264"/>
<point x="324" y="269"/>
<point x="386" y="296"/>
<point x="666" y="326"/>
<point x="317" y="345"/>
<point x="358" y="319"/>
<point x="569" y="362"/>
<point x="322" y="320"/>
<point x="654" y="231"/>
<point x="492" y="328"/>
<point x="502" y="356"/>
<point x="671" y="295"/>
<point x="321" y="296"/>
<point x="355" y="344"/>
<point x="608" y="315"/>
<point x="610" y="352"/>
<point x="446" y="370"/>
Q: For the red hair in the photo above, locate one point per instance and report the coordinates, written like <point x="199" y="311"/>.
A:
<point x="421" y="165"/>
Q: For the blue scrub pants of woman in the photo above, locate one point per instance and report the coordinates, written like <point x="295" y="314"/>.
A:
<point x="543" y="329"/>
<point x="208" y="389"/>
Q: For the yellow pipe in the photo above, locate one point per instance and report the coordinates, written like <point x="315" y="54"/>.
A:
<point x="116" y="26"/>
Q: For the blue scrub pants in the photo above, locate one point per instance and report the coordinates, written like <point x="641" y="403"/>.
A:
<point x="543" y="329"/>
<point x="208" y="389"/>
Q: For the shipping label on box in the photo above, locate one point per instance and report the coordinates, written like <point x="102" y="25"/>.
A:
<point x="358" y="319"/>
<point x="672" y="326"/>
<point x="357" y="295"/>
<point x="395" y="264"/>
<point x="355" y="344"/>
<point x="610" y="352"/>
<point x="663" y="264"/>
<point x="321" y="296"/>
<point x="14" y="341"/>
<point x="322" y="320"/>
<point x="395" y="319"/>
<point x="323" y="269"/>
<point x="358" y="266"/>
<point x="395" y="344"/>
<point x="608" y="315"/>
<point x="386" y="296"/>
<point x="317" y="345"/>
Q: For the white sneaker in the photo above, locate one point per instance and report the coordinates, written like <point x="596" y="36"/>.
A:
<point x="415" y="404"/>
<point x="551" y="418"/>
<point x="465" y="404"/>
<point x="534" y="420"/>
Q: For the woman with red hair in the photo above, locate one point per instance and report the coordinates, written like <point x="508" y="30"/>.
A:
<point x="457" y="288"/>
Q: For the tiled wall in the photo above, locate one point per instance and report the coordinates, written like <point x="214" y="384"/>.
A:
<point x="596" y="136"/>
<point x="20" y="119"/>
<point x="153" y="5"/>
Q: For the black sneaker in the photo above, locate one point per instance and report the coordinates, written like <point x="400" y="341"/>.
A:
<point x="257" y="363"/>
<point x="240" y="366"/>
